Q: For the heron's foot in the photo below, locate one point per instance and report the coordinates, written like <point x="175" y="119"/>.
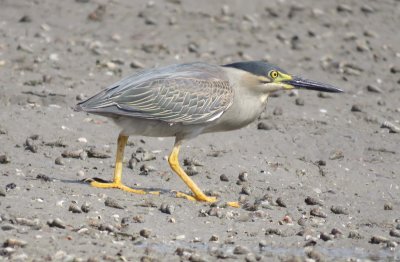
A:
<point x="99" y="183"/>
<point x="202" y="198"/>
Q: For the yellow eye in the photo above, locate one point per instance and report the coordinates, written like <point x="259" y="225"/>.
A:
<point x="273" y="74"/>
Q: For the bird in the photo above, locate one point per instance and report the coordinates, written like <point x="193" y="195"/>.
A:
<point x="185" y="101"/>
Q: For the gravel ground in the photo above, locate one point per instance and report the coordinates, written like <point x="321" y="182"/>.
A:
<point x="317" y="174"/>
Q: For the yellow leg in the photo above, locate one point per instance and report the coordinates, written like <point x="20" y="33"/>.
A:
<point x="117" y="181"/>
<point x="198" y="194"/>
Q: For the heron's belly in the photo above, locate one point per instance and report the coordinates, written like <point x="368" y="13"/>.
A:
<point x="144" y="127"/>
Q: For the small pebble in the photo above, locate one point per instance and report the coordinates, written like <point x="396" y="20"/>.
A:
<point x="80" y="153"/>
<point x="324" y="95"/>
<point x="374" y="89"/>
<point x="57" y="143"/>
<point x="302" y="221"/>
<point x="80" y="97"/>
<point x="299" y="101"/>
<point x="33" y="223"/>
<point x="74" y="208"/>
<point x="179" y="237"/>
<point x="280" y="202"/>
<point x="132" y="162"/>
<point x="273" y="231"/>
<point x="325" y="237"/>
<point x="354" y="235"/>
<point x="356" y="108"/>
<point x="13" y="242"/>
<point x="136" y="64"/>
<point x="111" y="202"/>
<point x="395" y="69"/>
<point x="145" y="169"/>
<point x="278" y="111"/>
<point x="310" y="243"/>
<point x="388" y="206"/>
<point x="243" y="176"/>
<point x="214" y="238"/>
<point x="367" y="9"/>
<point x="86" y="207"/>
<point x="167" y="208"/>
<point x="394" y="233"/>
<point x="147" y="156"/>
<point x="313" y="201"/>
<point x="25" y="19"/>
<point x="145" y="233"/>
<point x="223" y="178"/>
<point x="263" y="243"/>
<point x="125" y="221"/>
<point x="181" y="251"/>
<point x="193" y="48"/>
<point x="246" y="190"/>
<point x="107" y="227"/>
<point x="10" y="186"/>
<point x="96" y="153"/>
<point x="339" y="210"/>
<point x="243" y="199"/>
<point x="316" y="255"/>
<point x="264" y="126"/>
<point x="2" y="130"/>
<point x="197" y="258"/>
<point x="191" y="170"/>
<point x="378" y="240"/>
<point x="98" y="13"/>
<point x="337" y="154"/>
<point x="59" y="161"/>
<point x="342" y="8"/>
<point x="138" y="219"/>
<point x="7" y="227"/>
<point x="317" y="212"/>
<point x="44" y="178"/>
<point x="56" y="223"/>
<point x="31" y="145"/>
<point x="82" y="140"/>
<point x="215" y="212"/>
<point x="192" y="162"/>
<point x="5" y="159"/>
<point x="336" y="232"/>
<point x="240" y="250"/>
<point x="286" y="220"/>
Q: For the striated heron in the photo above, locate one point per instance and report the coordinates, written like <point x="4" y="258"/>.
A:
<point x="186" y="100"/>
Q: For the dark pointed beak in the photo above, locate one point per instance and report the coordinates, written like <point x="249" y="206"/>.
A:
<point x="298" y="82"/>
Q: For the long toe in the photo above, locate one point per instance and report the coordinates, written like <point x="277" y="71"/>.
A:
<point x="233" y="204"/>
<point x="119" y="186"/>
<point x="203" y="198"/>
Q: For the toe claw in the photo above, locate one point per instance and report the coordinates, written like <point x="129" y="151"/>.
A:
<point x="233" y="204"/>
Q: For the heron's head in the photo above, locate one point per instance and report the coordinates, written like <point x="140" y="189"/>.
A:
<point x="271" y="78"/>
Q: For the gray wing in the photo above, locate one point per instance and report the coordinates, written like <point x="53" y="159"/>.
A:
<point x="186" y="93"/>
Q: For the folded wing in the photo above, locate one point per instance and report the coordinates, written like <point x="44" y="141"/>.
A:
<point x="186" y="93"/>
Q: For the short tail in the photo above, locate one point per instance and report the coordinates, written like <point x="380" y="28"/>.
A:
<point x="79" y="108"/>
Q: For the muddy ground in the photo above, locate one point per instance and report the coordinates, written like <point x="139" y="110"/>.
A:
<point x="322" y="171"/>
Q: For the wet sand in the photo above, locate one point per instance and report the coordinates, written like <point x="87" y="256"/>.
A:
<point x="317" y="174"/>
